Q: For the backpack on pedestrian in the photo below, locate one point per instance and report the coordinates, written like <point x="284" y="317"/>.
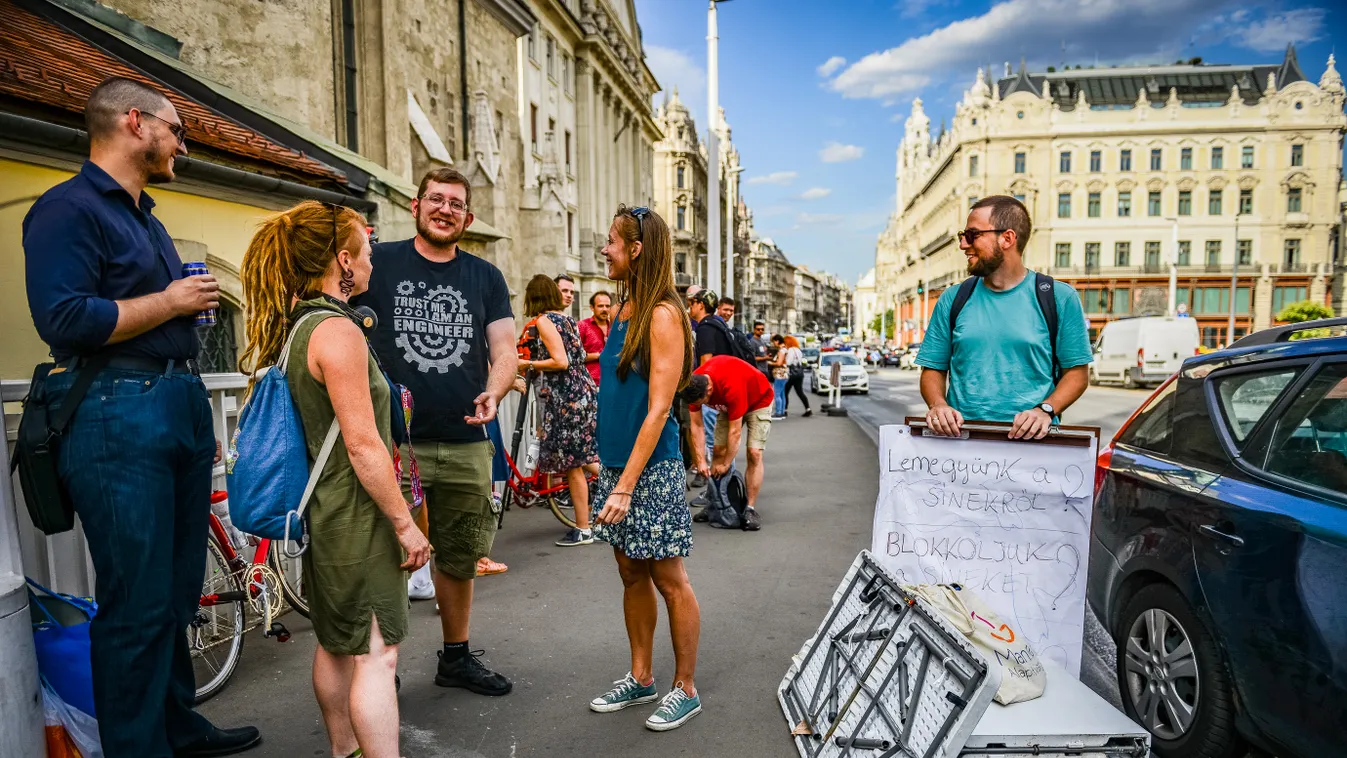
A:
<point x="1044" y="294"/>
<point x="740" y="344"/>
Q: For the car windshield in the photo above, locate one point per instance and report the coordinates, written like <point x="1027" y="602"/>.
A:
<point x="846" y="359"/>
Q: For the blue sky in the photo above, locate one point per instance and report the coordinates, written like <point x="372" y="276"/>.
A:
<point x="815" y="91"/>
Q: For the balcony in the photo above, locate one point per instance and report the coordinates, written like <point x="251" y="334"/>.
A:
<point x="1294" y="267"/>
<point x="682" y="279"/>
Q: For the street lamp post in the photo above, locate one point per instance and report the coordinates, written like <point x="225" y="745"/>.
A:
<point x="731" y="203"/>
<point x="1234" y="285"/>
<point x="713" y="148"/>
<point x="1173" y="266"/>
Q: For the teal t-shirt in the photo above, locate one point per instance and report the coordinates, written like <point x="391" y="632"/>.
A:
<point x="1000" y="360"/>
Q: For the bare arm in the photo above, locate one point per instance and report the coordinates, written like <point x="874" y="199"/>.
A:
<point x="724" y="455"/>
<point x="547" y="332"/>
<point x="942" y="418"/>
<point x="339" y="359"/>
<point x="1035" y="423"/>
<point x="184" y="297"/>
<point x="504" y="365"/>
<point x="698" y="429"/>
<point x="666" y="358"/>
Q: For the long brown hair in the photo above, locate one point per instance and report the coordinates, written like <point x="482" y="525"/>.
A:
<point x="649" y="283"/>
<point x="541" y="295"/>
<point x="286" y="260"/>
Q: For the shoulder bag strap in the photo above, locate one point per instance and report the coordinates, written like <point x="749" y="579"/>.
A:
<point x="297" y="515"/>
<point x="283" y="360"/>
<point x="84" y="378"/>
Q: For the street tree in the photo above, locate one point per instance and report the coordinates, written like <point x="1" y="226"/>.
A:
<point x="1306" y="310"/>
<point x="888" y="324"/>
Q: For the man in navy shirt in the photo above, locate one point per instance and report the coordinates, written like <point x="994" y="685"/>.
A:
<point x="104" y="279"/>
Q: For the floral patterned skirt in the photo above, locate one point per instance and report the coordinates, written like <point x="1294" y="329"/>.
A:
<point x="659" y="524"/>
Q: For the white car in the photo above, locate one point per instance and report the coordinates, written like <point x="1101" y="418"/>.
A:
<point x="853" y="376"/>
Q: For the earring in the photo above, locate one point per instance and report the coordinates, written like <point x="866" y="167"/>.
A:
<point x="347" y="284"/>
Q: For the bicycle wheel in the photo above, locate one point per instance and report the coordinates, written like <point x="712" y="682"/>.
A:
<point x="215" y="635"/>
<point x="564" y="515"/>
<point x="291" y="572"/>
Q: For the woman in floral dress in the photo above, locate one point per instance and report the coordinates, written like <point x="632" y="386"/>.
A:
<point x="568" y="395"/>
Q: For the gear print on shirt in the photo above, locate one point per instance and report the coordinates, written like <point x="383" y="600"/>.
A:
<point x="434" y="327"/>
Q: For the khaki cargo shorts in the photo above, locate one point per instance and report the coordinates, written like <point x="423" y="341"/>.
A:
<point x="757" y="424"/>
<point x="456" y="478"/>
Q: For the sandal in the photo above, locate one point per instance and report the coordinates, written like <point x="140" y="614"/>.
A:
<point x="486" y="567"/>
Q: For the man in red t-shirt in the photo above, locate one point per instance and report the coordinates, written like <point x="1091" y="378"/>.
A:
<point x="743" y="397"/>
<point x="594" y="331"/>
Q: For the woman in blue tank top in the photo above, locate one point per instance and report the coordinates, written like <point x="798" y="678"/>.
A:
<point x="644" y="516"/>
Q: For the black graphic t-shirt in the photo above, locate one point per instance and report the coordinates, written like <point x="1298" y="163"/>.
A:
<point x="432" y="333"/>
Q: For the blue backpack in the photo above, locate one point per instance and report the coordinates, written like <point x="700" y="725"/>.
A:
<point x="267" y="468"/>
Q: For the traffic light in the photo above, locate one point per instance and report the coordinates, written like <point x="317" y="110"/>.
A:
<point x="921" y="288"/>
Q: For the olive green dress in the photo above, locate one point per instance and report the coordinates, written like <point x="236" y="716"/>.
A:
<point x="352" y="567"/>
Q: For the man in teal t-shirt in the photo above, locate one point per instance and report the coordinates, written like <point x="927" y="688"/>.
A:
<point x="997" y="366"/>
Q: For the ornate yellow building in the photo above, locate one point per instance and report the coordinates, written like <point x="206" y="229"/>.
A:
<point x="1217" y="170"/>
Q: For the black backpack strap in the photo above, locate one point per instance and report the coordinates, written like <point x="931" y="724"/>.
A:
<point x="960" y="300"/>
<point x="1045" y="294"/>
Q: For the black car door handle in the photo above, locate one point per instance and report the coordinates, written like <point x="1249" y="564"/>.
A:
<point x="1218" y="534"/>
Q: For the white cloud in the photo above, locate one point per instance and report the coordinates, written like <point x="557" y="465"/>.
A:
<point x="779" y="178"/>
<point x="815" y="193"/>
<point x="831" y="65"/>
<point x="835" y="152"/>
<point x="675" y="68"/>
<point x="1274" y="33"/>
<point x="1111" y="30"/>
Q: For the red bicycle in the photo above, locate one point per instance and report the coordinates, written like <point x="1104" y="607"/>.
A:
<point x="232" y="585"/>
<point x="538" y="487"/>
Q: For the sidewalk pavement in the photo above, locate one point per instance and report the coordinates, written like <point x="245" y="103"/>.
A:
<point x="554" y="625"/>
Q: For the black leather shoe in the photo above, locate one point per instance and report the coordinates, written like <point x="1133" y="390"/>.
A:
<point x="469" y="673"/>
<point x="219" y="742"/>
<point x="702" y="516"/>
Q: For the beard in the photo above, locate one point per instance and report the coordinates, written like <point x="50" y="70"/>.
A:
<point x="987" y="266"/>
<point x="158" y="162"/>
<point x="436" y="237"/>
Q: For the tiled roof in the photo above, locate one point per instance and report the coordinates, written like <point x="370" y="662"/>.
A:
<point x="46" y="64"/>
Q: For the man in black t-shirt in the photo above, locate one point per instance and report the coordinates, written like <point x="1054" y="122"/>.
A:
<point x="446" y="332"/>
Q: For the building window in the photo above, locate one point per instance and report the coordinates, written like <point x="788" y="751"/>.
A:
<point x="551" y="57"/>
<point x="1216" y="300"/>
<point x="1092" y="205"/>
<point x="1244" y="250"/>
<point x="1122" y="253"/>
<point x="1063" y="254"/>
<point x="533" y="43"/>
<point x="1185" y="203"/>
<point x="681" y="173"/>
<point x="1124" y="204"/>
<point x="1153" y="204"/>
<point x="1092" y="256"/>
<point x="1064" y="205"/>
<point x="219" y="345"/>
<point x="1246" y="157"/>
<point x="1019" y="163"/>
<point x="1297" y="155"/>
<point x="1246" y="201"/>
<point x="973" y="200"/>
<point x="972" y="165"/>
<point x="570" y="231"/>
<point x="1185" y="253"/>
<point x="1214" y="198"/>
<point x="1218" y="158"/>
<point x="1153" y="256"/>
<point x="1291" y="255"/>
<point x="1213" y="253"/>
<point x="568" y="151"/>
<point x="351" y="78"/>
<point x="1157" y="159"/>
<point x="533" y="126"/>
<point x="566" y="73"/>
<point x="1122" y="301"/>
<point x="1096" y="161"/>
<point x="1293" y="200"/>
<point x="1064" y="162"/>
<point x="1125" y="160"/>
<point x="1186" y="159"/>
<point x="682" y="218"/>
<point x="1019" y="197"/>
<point x="1284" y="296"/>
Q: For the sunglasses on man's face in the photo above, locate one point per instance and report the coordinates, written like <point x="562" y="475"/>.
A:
<point x="970" y="236"/>
<point x="179" y="131"/>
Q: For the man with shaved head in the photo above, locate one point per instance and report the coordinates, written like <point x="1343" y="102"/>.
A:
<point x="107" y="294"/>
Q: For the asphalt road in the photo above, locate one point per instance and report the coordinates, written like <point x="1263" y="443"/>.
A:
<point x="894" y="395"/>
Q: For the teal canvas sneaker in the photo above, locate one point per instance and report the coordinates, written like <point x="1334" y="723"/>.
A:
<point x="674" y="710"/>
<point x="625" y="693"/>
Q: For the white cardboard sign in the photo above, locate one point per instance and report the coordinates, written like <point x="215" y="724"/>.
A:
<point x="1008" y="520"/>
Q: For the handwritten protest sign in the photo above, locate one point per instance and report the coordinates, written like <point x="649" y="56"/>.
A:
<point x="1008" y="520"/>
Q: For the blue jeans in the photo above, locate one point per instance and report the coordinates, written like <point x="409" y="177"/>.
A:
<point x="715" y="490"/>
<point x="136" y="460"/>
<point x="779" y="397"/>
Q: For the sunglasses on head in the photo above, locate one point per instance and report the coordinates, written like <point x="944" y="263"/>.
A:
<point x="639" y="214"/>
<point x="970" y="235"/>
<point x="336" y="232"/>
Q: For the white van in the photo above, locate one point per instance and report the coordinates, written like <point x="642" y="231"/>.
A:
<point x="1143" y="351"/>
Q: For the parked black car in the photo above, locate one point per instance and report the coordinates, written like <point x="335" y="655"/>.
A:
<point x="1218" y="557"/>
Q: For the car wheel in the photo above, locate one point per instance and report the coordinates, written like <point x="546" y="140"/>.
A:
<point x="1172" y="678"/>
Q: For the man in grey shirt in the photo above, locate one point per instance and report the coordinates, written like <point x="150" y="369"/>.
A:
<point x="762" y="349"/>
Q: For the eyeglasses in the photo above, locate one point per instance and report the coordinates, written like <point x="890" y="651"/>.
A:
<point x="639" y="214"/>
<point x="970" y="235"/>
<point x="178" y="130"/>
<point x="454" y="207"/>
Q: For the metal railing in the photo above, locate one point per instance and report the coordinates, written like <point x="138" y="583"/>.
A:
<point x="61" y="561"/>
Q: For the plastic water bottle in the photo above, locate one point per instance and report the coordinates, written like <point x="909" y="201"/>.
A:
<point x="221" y="511"/>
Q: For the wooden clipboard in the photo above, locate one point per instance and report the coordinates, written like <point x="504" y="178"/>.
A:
<point x="1065" y="435"/>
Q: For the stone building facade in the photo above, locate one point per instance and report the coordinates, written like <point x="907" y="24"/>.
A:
<point x="588" y="133"/>
<point x="1125" y="170"/>
<point x="770" y="292"/>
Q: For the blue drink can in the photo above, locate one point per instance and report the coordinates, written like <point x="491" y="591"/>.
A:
<point x="197" y="268"/>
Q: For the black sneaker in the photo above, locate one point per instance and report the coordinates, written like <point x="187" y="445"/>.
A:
<point x="702" y="516"/>
<point x="698" y="481"/>
<point x="752" y="522"/>
<point x="469" y="673"/>
<point x="808" y="412"/>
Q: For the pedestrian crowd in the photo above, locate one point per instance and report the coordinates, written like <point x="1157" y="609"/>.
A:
<point x="630" y="399"/>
